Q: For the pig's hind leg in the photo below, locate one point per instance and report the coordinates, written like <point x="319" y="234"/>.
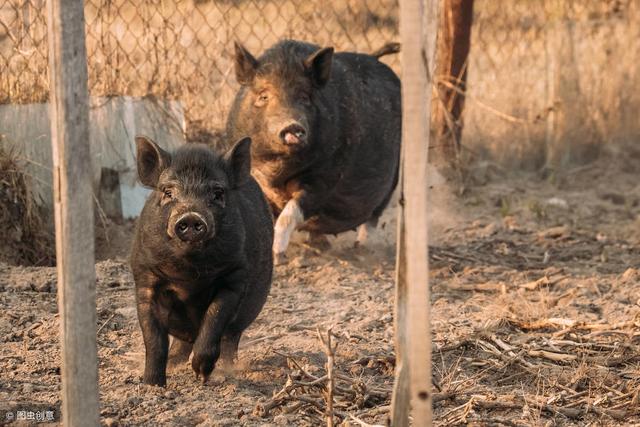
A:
<point x="179" y="352"/>
<point x="362" y="235"/>
<point x="364" y="231"/>
<point x="318" y="241"/>
<point x="229" y="347"/>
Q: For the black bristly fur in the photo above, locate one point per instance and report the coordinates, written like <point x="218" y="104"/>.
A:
<point x="204" y="294"/>
<point x="347" y="168"/>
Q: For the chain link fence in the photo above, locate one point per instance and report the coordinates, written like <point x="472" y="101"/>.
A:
<point x="180" y="49"/>
<point x="552" y="81"/>
<point x="540" y="72"/>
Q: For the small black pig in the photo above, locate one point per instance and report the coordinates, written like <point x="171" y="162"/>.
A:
<point x="326" y="135"/>
<point x="201" y="257"/>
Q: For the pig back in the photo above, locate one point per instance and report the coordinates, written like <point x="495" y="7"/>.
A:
<point x="370" y="133"/>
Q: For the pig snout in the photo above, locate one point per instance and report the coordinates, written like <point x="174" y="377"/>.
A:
<point x="191" y="227"/>
<point x="293" y="134"/>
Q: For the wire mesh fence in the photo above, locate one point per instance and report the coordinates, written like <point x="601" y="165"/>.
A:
<point x="552" y="78"/>
<point x="180" y="49"/>
<point x="540" y="72"/>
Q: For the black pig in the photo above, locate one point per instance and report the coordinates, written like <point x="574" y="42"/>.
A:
<point x="326" y="135"/>
<point x="201" y="257"/>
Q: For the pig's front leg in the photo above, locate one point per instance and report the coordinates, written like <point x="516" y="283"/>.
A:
<point x="155" y="335"/>
<point x="288" y="220"/>
<point x="222" y="309"/>
<point x="306" y="201"/>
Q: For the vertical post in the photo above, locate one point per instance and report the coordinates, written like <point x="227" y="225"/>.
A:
<point x="454" y="42"/>
<point x="73" y="207"/>
<point x="400" y="400"/>
<point x="418" y="25"/>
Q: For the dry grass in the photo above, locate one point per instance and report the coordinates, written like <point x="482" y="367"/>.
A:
<point x="181" y="50"/>
<point x="509" y="372"/>
<point x="555" y="368"/>
<point x="534" y="320"/>
<point x="25" y="226"/>
<point x="546" y="64"/>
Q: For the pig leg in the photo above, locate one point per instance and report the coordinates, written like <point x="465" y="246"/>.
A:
<point x="319" y="241"/>
<point x="229" y="347"/>
<point x="363" y="234"/>
<point x="179" y="352"/>
<point x="222" y="309"/>
<point x="289" y="219"/>
<point x="156" y="339"/>
<point x="364" y="230"/>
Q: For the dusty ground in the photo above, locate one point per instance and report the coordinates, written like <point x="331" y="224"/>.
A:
<point x="535" y="319"/>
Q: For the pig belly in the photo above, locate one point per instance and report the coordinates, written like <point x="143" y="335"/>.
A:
<point x="342" y="214"/>
<point x="183" y="316"/>
<point x="323" y="224"/>
<point x="182" y="327"/>
<point x="354" y="201"/>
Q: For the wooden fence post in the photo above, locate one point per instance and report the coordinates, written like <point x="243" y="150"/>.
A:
<point x="73" y="207"/>
<point x="412" y="389"/>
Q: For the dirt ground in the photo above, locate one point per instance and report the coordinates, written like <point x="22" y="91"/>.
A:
<point x="535" y="312"/>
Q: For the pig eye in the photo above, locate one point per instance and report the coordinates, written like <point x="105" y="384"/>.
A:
<point x="304" y="98"/>
<point x="218" y="196"/>
<point x="262" y="99"/>
<point x="167" y="193"/>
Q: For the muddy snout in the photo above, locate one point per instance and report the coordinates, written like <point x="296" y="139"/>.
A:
<point x="191" y="227"/>
<point x="293" y="134"/>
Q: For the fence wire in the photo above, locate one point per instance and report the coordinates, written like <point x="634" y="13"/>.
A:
<point x="528" y="58"/>
<point x="180" y="49"/>
<point x="552" y="78"/>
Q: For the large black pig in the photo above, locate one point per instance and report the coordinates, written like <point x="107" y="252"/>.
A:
<point x="326" y="135"/>
<point x="201" y="257"/>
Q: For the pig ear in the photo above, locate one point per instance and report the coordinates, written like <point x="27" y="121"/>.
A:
<point x="318" y="64"/>
<point x="151" y="161"/>
<point x="245" y="65"/>
<point x="238" y="160"/>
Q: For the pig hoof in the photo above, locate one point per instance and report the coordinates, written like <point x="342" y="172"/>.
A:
<point x="202" y="378"/>
<point x="319" y="242"/>
<point x="280" y="258"/>
<point x="157" y="380"/>
<point x="202" y="365"/>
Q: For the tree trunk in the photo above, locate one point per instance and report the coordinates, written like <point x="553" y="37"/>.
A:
<point x="454" y="39"/>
